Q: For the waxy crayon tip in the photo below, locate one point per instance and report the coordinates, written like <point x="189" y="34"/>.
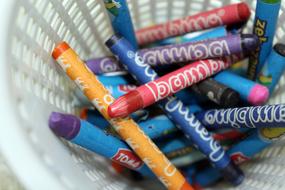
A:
<point x="125" y="105"/>
<point x="244" y="11"/>
<point x="59" y="49"/>
<point x="258" y="95"/>
<point x="280" y="49"/>
<point x="64" y="125"/>
<point x="249" y="42"/>
<point x="230" y="98"/>
<point x="112" y="40"/>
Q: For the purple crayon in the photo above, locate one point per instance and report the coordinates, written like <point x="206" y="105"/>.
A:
<point x="219" y="47"/>
<point x="185" y="52"/>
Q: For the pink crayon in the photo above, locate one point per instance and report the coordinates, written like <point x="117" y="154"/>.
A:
<point x="167" y="85"/>
<point x="227" y="15"/>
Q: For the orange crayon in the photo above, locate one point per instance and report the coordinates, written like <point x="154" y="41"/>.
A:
<point x="125" y="127"/>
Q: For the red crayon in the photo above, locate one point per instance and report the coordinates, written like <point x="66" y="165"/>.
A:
<point x="227" y="15"/>
<point x="167" y="85"/>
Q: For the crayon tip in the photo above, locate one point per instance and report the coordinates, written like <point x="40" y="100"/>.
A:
<point x="243" y="11"/>
<point x="233" y="174"/>
<point x="113" y="40"/>
<point x="280" y="49"/>
<point x="249" y="42"/>
<point x="64" y="125"/>
<point x="258" y="95"/>
<point x="230" y="98"/>
<point x="59" y="49"/>
<point x="125" y="105"/>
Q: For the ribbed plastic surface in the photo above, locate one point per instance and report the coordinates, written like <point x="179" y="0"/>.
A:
<point x="37" y="87"/>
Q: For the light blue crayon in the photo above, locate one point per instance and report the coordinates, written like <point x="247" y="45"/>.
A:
<point x="266" y="17"/>
<point x="273" y="68"/>
<point x="84" y="134"/>
<point x="249" y="91"/>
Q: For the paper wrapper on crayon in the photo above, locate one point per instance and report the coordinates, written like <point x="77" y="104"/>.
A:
<point x="226" y="15"/>
<point x="126" y="127"/>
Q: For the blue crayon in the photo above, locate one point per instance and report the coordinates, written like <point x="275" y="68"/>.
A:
<point x="195" y="36"/>
<point x="96" y="140"/>
<point x="273" y="68"/>
<point x="175" y="109"/>
<point x="266" y="17"/>
<point x="95" y="118"/>
<point x="245" y="150"/>
<point x="249" y="91"/>
<point x="113" y="80"/>
<point x="174" y="144"/>
<point x="270" y="116"/>
<point x="119" y="14"/>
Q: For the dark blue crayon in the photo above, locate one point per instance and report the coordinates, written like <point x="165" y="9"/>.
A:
<point x="273" y="68"/>
<point x="84" y="134"/>
<point x="121" y="19"/>
<point x="243" y="151"/>
<point x="175" y="109"/>
<point x="271" y="116"/>
<point x="249" y="91"/>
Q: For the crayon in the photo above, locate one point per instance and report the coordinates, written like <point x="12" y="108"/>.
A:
<point x="165" y="86"/>
<point x="195" y="36"/>
<point x="240" y="68"/>
<point x="206" y="49"/>
<point x="273" y="68"/>
<point x="128" y="130"/>
<point x="227" y="15"/>
<point x="114" y="80"/>
<point x="249" y="91"/>
<point x="111" y="64"/>
<point x="104" y="65"/>
<point x="120" y="17"/>
<point x="188" y="159"/>
<point x="244" y="117"/>
<point x="176" y="111"/>
<point x="266" y="16"/>
<point x="242" y="152"/>
<point x="96" y="140"/>
<point x="217" y="92"/>
<point x="94" y="117"/>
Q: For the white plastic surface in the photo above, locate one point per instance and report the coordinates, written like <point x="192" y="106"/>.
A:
<point x="31" y="87"/>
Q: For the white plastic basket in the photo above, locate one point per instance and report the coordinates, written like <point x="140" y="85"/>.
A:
<point x="31" y="88"/>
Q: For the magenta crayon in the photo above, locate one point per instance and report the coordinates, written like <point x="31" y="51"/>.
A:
<point x="227" y="15"/>
<point x="165" y="86"/>
<point x="191" y="51"/>
<point x="249" y="91"/>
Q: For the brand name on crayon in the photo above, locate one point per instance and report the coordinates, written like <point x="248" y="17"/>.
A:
<point x="181" y="26"/>
<point x="216" y="153"/>
<point x="182" y="79"/>
<point x="128" y="159"/>
<point x="259" y="30"/>
<point x="250" y="117"/>
<point x="184" y="53"/>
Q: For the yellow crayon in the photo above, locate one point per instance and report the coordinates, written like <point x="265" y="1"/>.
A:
<point x="125" y="127"/>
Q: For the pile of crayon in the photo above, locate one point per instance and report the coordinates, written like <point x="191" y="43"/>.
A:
<point x="183" y="101"/>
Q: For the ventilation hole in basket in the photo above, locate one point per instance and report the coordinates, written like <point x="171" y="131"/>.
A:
<point x="179" y="4"/>
<point x="76" y="158"/>
<point x="67" y="182"/>
<point x="195" y="7"/>
<point x="161" y="5"/>
<point x="48" y="160"/>
<point x="22" y="109"/>
<point x="91" y="175"/>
